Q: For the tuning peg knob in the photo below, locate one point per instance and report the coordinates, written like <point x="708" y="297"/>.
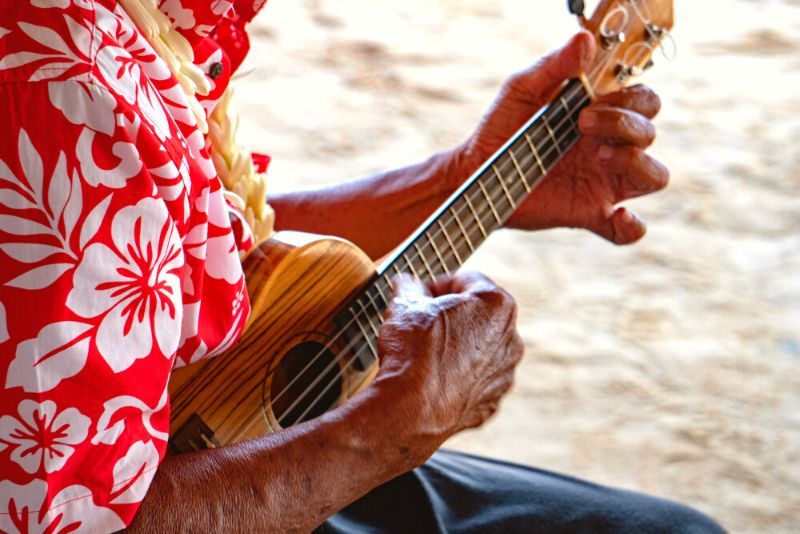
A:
<point x="576" y="7"/>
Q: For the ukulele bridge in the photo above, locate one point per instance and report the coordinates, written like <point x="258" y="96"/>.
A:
<point x="194" y="435"/>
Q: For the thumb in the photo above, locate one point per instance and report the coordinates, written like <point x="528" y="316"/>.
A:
<point x="546" y="77"/>
<point x="408" y="289"/>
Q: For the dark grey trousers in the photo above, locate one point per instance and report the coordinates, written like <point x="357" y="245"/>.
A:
<point x="459" y="493"/>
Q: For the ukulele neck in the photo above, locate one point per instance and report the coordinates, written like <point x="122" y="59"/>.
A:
<point x="481" y="205"/>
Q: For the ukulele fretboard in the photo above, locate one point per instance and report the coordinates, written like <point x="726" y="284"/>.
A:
<point x="481" y="205"/>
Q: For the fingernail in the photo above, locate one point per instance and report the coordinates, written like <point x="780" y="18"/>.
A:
<point x="605" y="153"/>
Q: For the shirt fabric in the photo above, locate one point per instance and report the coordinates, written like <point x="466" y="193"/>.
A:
<point x="117" y="257"/>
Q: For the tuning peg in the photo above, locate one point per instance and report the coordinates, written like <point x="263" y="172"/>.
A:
<point x="577" y="7"/>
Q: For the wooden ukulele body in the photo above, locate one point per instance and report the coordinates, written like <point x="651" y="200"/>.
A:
<point x="297" y="284"/>
<point x="294" y="359"/>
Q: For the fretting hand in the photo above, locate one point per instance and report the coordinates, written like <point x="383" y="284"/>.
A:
<point x="607" y="166"/>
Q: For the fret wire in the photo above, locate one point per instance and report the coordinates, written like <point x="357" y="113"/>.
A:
<point x="424" y="261"/>
<point x="489" y="201"/>
<point x="380" y="291"/>
<point x="475" y="215"/>
<point x="377" y="315"/>
<point x="463" y="230"/>
<point x="396" y="268"/>
<point x="569" y="112"/>
<point x="503" y="185"/>
<point x="450" y="242"/>
<point x="410" y="265"/>
<point x="466" y="233"/>
<point x="552" y="134"/>
<point x="570" y="142"/>
<point x="535" y="154"/>
<point x="471" y="207"/>
<point x="364" y="333"/>
<point x="565" y="129"/>
<point x="519" y="171"/>
<point x="436" y="251"/>
<point x="548" y="154"/>
<point x="368" y="315"/>
<point x="493" y="206"/>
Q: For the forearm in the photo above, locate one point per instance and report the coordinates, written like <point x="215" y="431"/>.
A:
<point x="288" y="481"/>
<point x="375" y="213"/>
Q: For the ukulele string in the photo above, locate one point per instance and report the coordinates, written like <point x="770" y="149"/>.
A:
<point x="414" y="256"/>
<point x="529" y="163"/>
<point x="356" y="315"/>
<point x="343" y="369"/>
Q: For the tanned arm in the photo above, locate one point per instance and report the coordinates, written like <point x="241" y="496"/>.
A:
<point x="446" y="361"/>
<point x="447" y="350"/>
<point x="607" y="166"/>
<point x="286" y="482"/>
<point x="397" y="202"/>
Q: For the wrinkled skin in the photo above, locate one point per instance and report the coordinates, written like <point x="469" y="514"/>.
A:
<point x="453" y="345"/>
<point x="448" y="348"/>
<point x="606" y="167"/>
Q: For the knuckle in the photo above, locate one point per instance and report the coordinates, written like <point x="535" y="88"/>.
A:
<point x="410" y="320"/>
<point x="662" y="176"/>
<point x="508" y="383"/>
<point x="654" y="101"/>
<point x="649" y="96"/>
<point x="658" y="173"/>
<point x="619" y="121"/>
<point x="516" y="84"/>
<point x="496" y="298"/>
<point x="648" y="132"/>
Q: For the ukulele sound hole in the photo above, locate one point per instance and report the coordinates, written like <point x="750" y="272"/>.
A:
<point x="306" y="384"/>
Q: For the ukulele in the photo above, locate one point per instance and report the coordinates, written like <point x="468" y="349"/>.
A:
<point x="317" y="302"/>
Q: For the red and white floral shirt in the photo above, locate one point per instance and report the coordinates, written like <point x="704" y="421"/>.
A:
<point x="117" y="259"/>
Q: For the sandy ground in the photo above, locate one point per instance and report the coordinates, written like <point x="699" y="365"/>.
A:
<point x="670" y="367"/>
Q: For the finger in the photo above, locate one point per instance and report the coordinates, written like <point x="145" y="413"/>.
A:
<point x="489" y="400"/>
<point x="505" y="360"/>
<point x="622" y="227"/>
<point x="498" y="388"/>
<point x="405" y="286"/>
<point x="635" y="172"/>
<point x="638" y="98"/>
<point x="462" y="282"/>
<point x="617" y="125"/>
<point x="479" y="415"/>
<point x="407" y="291"/>
<point x="479" y="289"/>
<point x="546" y="76"/>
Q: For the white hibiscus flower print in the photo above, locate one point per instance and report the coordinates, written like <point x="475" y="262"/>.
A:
<point x="61" y="4"/>
<point x="179" y="16"/>
<point x="28" y="509"/>
<point x="64" y="55"/>
<point x="134" y="287"/>
<point x="222" y="256"/>
<point x="124" y="75"/>
<point x="43" y="437"/>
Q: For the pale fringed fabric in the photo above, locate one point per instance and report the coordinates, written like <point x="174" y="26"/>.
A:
<point x="174" y="49"/>
<point x="245" y="188"/>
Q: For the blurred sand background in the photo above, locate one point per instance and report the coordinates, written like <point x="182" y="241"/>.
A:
<point x="670" y="367"/>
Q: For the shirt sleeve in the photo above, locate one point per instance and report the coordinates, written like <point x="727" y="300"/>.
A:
<point x="111" y="249"/>
<point x="117" y="261"/>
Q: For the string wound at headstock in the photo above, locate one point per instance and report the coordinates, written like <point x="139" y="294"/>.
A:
<point x="628" y="33"/>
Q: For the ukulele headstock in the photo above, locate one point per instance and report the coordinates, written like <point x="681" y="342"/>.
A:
<point x="628" y="33"/>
